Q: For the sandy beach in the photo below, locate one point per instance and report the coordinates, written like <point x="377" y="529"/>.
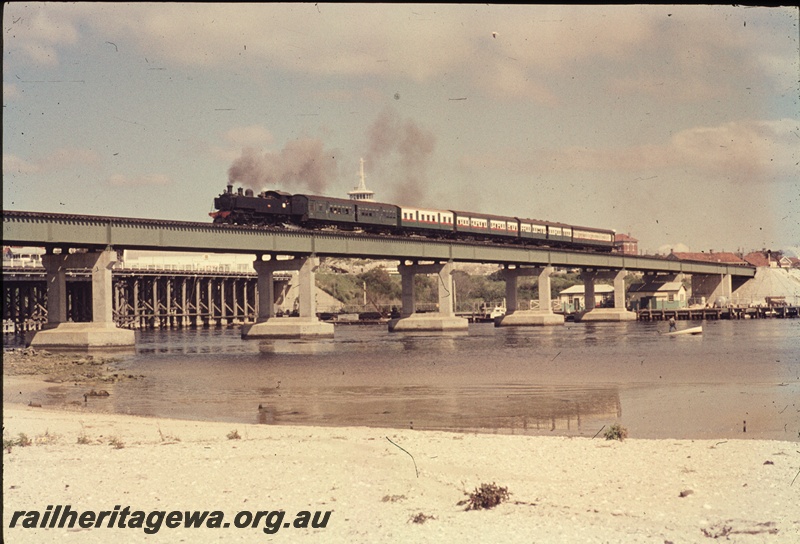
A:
<point x="367" y="484"/>
<point x="560" y="489"/>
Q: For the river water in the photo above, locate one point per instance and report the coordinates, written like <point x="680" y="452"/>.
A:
<point x="740" y="379"/>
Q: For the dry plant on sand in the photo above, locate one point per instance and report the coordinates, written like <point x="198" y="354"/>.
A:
<point x="487" y="496"/>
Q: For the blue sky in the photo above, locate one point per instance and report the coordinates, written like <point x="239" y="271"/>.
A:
<point x="679" y="125"/>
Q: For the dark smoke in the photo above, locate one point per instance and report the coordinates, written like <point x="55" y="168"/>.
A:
<point x="300" y="164"/>
<point x="399" y="156"/>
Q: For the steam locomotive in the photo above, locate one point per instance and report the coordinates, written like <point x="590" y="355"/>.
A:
<point x="276" y="208"/>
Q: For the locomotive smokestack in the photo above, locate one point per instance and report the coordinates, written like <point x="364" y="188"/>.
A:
<point x="230" y="188"/>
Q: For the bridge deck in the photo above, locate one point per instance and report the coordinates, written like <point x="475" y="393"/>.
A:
<point x="64" y="230"/>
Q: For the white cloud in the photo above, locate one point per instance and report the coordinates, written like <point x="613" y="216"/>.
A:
<point x="239" y="138"/>
<point x="61" y="159"/>
<point x="10" y="92"/>
<point x="12" y="164"/>
<point x="743" y="151"/>
<point x="36" y="31"/>
<point x="534" y="43"/>
<point x="679" y="247"/>
<point x="147" y="180"/>
<point x="255" y="136"/>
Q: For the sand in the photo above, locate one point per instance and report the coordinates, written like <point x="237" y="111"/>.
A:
<point x="378" y="485"/>
<point x="560" y="489"/>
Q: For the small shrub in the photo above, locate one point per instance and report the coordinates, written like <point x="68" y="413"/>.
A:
<point x="420" y="518"/>
<point x="234" y="435"/>
<point x="23" y="440"/>
<point x="487" y="496"/>
<point x="616" y="432"/>
<point x="83" y="439"/>
<point x="116" y="443"/>
<point x="46" y="438"/>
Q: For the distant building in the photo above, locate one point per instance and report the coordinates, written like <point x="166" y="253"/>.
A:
<point x="361" y="192"/>
<point x="710" y="257"/>
<point x="17" y="256"/>
<point x="182" y="261"/>
<point x="657" y="295"/>
<point x="626" y="244"/>
<point x="767" y="258"/>
<point x="573" y="299"/>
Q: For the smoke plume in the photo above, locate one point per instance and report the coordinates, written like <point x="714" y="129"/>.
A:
<point x="399" y="155"/>
<point x="303" y="164"/>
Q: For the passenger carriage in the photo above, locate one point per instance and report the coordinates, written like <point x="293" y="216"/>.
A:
<point x="558" y="233"/>
<point x="323" y="211"/>
<point x="426" y="219"/>
<point x="349" y="214"/>
<point x="486" y="226"/>
<point x="592" y="237"/>
<point x="532" y="229"/>
<point x="375" y="216"/>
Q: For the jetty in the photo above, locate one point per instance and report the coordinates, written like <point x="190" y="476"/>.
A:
<point x="692" y="314"/>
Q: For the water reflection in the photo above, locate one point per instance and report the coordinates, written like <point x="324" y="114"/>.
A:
<point x="571" y="379"/>
<point x="506" y="409"/>
<point x="427" y="342"/>
<point x="296" y="347"/>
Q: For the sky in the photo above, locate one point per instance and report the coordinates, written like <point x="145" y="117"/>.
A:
<point x="678" y="125"/>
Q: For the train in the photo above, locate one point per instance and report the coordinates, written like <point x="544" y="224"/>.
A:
<point x="279" y="208"/>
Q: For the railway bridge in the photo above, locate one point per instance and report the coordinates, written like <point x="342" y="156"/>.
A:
<point x="90" y="243"/>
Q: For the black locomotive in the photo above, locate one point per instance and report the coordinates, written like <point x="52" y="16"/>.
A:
<point x="276" y="208"/>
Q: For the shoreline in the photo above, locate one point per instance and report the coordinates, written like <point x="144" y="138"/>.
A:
<point x="561" y="489"/>
<point x="62" y="381"/>
<point x="380" y="484"/>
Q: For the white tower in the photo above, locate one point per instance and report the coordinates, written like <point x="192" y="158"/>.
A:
<point x="361" y="192"/>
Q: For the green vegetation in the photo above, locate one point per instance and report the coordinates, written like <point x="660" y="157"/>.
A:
<point x="344" y="287"/>
<point x="616" y="432"/>
<point x="384" y="290"/>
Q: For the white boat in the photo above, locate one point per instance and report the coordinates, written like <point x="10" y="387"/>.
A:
<point x="692" y="330"/>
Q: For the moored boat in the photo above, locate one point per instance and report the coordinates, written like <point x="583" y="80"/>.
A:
<point x="692" y="330"/>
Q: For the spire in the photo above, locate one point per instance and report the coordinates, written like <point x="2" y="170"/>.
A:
<point x="361" y="192"/>
<point x="363" y="185"/>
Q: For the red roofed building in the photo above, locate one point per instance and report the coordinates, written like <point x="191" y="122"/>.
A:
<point x="771" y="259"/>
<point x="759" y="258"/>
<point x="626" y="244"/>
<point x="710" y="257"/>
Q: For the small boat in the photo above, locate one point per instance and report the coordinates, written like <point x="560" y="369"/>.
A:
<point x="692" y="330"/>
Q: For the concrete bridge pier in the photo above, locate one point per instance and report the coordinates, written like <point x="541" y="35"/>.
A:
<point x="619" y="312"/>
<point x="443" y="320"/>
<point x="101" y="332"/>
<point x="716" y="289"/>
<point x="519" y="318"/>
<point x="307" y="324"/>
